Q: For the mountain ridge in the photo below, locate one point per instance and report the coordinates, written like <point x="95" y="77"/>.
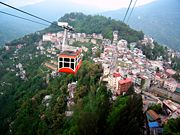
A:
<point x="158" y="19"/>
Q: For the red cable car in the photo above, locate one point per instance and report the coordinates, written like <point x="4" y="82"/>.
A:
<point x="70" y="59"/>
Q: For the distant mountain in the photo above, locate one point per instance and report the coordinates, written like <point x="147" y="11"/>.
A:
<point x="11" y="28"/>
<point x="159" y="19"/>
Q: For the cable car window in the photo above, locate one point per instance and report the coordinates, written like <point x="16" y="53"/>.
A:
<point x="72" y="60"/>
<point x="66" y="64"/>
<point x="60" y="64"/>
<point x="72" y="66"/>
<point x="60" y="59"/>
<point x="66" y="59"/>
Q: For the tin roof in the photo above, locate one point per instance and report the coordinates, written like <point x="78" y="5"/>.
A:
<point x="153" y="114"/>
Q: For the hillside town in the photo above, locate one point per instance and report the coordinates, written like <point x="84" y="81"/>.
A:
<point x="125" y="65"/>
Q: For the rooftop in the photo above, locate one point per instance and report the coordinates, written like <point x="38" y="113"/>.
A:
<point x="126" y="80"/>
<point x="171" y="71"/>
<point x="178" y="85"/>
<point x="170" y="105"/>
<point x="153" y="115"/>
<point x="116" y="74"/>
<point x="171" y="80"/>
<point x="153" y="124"/>
<point x="178" y="88"/>
<point x="69" y="53"/>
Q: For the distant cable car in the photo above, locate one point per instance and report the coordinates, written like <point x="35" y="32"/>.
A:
<point x="70" y="59"/>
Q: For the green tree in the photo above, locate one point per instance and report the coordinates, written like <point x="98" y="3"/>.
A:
<point x="130" y="90"/>
<point x="177" y="76"/>
<point x="157" y="108"/>
<point x="172" y="127"/>
<point x="125" y="118"/>
<point x="90" y="118"/>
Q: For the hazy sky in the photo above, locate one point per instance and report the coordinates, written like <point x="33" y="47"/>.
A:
<point x="103" y="4"/>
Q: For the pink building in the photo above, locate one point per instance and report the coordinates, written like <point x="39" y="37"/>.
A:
<point x="124" y="85"/>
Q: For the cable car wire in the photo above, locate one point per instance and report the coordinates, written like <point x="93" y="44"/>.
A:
<point x="22" y="18"/>
<point x="68" y="28"/>
<point x="127" y="11"/>
<point x="132" y="10"/>
<point x="25" y="12"/>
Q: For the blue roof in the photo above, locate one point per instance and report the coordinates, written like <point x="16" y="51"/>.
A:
<point x="178" y="90"/>
<point x="153" y="124"/>
<point x="149" y="117"/>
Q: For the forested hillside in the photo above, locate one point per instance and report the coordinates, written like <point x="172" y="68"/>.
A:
<point x="100" y="24"/>
<point x="23" y="109"/>
<point x="12" y="28"/>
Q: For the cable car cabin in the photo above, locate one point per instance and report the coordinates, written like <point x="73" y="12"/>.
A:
<point x="69" y="61"/>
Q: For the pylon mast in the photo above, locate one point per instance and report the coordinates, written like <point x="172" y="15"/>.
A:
<point x="66" y="28"/>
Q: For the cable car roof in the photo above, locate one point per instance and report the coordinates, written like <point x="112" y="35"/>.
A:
<point x="69" y="54"/>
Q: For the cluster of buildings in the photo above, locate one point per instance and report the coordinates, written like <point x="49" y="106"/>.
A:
<point x="164" y="79"/>
<point x="18" y="68"/>
<point x="70" y="98"/>
<point x="51" y="44"/>
<point x="22" y="72"/>
<point x="155" y="120"/>
<point x="124" y="64"/>
<point x="148" y="41"/>
<point x="57" y="38"/>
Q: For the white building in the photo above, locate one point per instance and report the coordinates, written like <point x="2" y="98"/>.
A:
<point x="170" y="84"/>
<point x="115" y="35"/>
<point x="47" y="37"/>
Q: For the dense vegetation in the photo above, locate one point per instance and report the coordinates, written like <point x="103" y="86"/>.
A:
<point x="94" y="111"/>
<point x="100" y="24"/>
<point x="177" y="76"/>
<point x="23" y="111"/>
<point x="176" y="63"/>
<point x="15" y="91"/>
<point x="155" y="52"/>
<point x="156" y="107"/>
<point x="172" y="127"/>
